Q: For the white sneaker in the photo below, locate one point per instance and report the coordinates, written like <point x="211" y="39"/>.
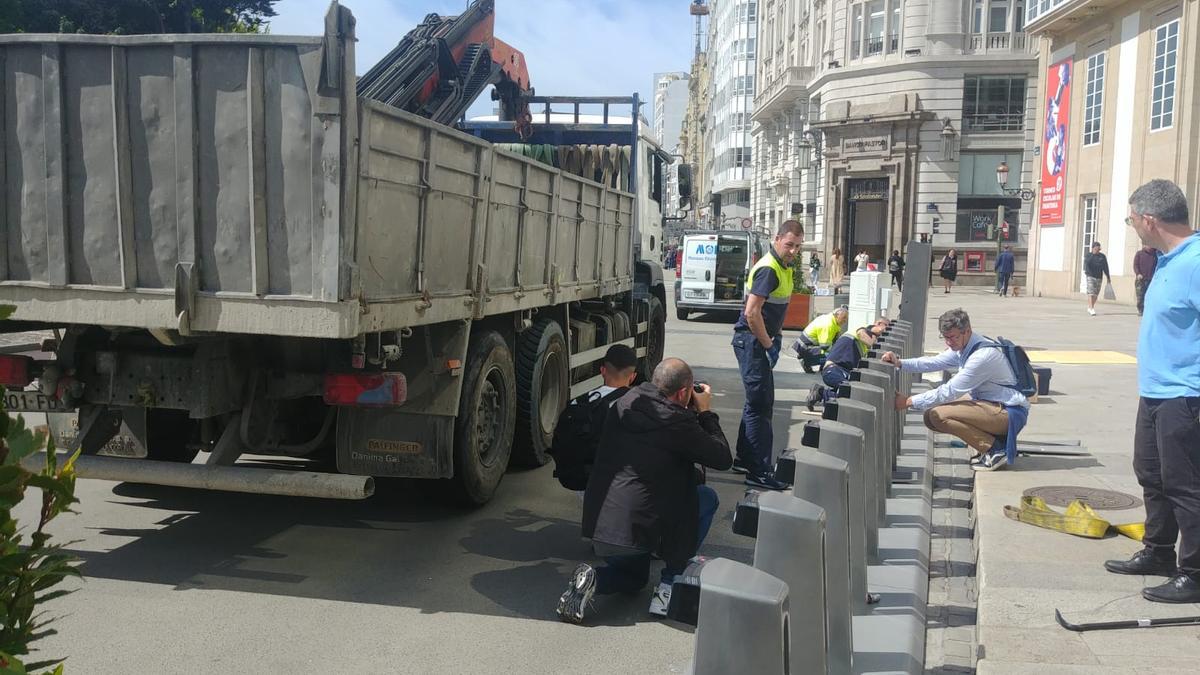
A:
<point x="1091" y="311"/>
<point x="660" y="600"/>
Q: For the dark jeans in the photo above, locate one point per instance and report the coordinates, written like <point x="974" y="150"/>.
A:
<point x="628" y="573"/>
<point x="1140" y="287"/>
<point x="898" y="280"/>
<point x="1004" y="279"/>
<point x="755" y="437"/>
<point x="833" y="376"/>
<point x="1166" y="460"/>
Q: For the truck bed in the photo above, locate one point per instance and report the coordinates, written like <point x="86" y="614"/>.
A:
<point x="235" y="184"/>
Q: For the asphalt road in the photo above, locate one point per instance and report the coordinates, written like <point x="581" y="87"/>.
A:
<point x="180" y="581"/>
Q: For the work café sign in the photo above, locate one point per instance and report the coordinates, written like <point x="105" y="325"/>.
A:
<point x="1054" y="144"/>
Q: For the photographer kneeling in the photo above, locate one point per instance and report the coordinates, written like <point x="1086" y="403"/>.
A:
<point x="645" y="494"/>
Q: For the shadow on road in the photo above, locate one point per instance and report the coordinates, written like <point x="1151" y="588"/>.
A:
<point x="405" y="547"/>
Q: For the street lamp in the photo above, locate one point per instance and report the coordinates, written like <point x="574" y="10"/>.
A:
<point x="1002" y="181"/>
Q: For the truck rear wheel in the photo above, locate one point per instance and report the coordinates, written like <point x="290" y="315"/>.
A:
<point x="655" y="337"/>
<point x="483" y="430"/>
<point x="543" y="387"/>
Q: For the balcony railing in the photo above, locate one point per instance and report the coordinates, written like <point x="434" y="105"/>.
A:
<point x="994" y="122"/>
<point x="1001" y="42"/>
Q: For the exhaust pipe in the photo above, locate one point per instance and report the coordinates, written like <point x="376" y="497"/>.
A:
<point x="221" y="478"/>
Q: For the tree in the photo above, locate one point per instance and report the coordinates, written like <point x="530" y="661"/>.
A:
<point x="129" y="17"/>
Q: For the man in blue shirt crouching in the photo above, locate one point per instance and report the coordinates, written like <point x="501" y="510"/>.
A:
<point x="1166" y="437"/>
<point x="988" y="422"/>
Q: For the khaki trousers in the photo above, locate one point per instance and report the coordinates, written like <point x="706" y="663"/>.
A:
<point x="977" y="423"/>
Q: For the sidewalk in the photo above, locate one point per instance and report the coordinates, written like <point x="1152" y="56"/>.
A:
<point x="1024" y="573"/>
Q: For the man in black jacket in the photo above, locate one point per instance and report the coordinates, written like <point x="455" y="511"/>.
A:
<point x="645" y="494"/>
<point x="1095" y="268"/>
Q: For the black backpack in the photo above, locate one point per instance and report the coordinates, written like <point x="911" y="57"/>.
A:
<point x="577" y="437"/>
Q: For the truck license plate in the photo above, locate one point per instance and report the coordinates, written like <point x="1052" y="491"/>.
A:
<point x="697" y="294"/>
<point x="32" y="401"/>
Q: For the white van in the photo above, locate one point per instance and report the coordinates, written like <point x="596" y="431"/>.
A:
<point x="711" y="270"/>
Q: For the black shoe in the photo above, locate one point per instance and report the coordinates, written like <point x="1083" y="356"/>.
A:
<point x="578" y="597"/>
<point x="814" y="396"/>
<point x="1181" y="588"/>
<point x="1145" y="561"/>
<point x="738" y="466"/>
<point x="767" y="481"/>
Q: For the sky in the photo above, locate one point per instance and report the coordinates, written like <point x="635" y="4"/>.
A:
<point x="572" y="47"/>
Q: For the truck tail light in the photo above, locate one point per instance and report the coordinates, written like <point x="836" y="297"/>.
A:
<point x="679" y="269"/>
<point x="15" y="371"/>
<point x="368" y="390"/>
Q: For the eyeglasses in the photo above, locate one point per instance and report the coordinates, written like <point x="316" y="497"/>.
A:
<point x="1129" y="221"/>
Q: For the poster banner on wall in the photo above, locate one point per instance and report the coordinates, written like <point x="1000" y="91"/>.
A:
<point x="1054" y="144"/>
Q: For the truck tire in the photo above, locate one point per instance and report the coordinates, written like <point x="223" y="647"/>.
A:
<point x="655" y="337"/>
<point x="543" y="388"/>
<point x="483" y="430"/>
<point x="170" y="436"/>
<point x="681" y="314"/>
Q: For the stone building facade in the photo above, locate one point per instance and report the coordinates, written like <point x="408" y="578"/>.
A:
<point x="883" y="121"/>
<point x="1132" y="115"/>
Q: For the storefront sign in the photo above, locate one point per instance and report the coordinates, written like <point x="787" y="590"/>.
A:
<point x="1054" y="143"/>
<point x="876" y="145"/>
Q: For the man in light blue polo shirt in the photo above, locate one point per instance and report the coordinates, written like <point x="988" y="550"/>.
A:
<point x="1166" y="441"/>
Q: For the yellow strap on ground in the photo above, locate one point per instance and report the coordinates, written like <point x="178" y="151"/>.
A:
<point x="1079" y="519"/>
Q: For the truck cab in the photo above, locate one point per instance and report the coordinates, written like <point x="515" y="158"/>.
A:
<point x="712" y="269"/>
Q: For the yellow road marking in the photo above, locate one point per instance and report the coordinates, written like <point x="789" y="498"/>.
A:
<point x="1086" y="358"/>
<point x="1080" y="358"/>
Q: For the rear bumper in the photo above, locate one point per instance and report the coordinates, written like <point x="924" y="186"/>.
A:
<point x="709" y="306"/>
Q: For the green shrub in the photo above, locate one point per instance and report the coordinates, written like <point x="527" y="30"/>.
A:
<point x="29" y="572"/>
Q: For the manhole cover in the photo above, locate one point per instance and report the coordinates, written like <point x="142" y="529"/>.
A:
<point x="1101" y="500"/>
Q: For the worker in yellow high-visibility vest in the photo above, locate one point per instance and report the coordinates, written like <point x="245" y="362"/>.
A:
<point x="818" y="336"/>
<point x="757" y="340"/>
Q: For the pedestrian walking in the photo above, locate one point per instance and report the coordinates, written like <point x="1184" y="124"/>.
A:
<point x="861" y="261"/>
<point x="756" y="343"/>
<point x="814" y="269"/>
<point x="896" y="267"/>
<point x="948" y="269"/>
<point x="1144" y="262"/>
<point x="1095" y="267"/>
<point x="1166" y="437"/>
<point x="837" y="269"/>
<point x="1006" y="263"/>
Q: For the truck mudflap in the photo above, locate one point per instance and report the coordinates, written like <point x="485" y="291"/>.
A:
<point x="383" y="442"/>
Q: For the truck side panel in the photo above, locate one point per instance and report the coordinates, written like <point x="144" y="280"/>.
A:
<point x="451" y="228"/>
<point x="125" y="157"/>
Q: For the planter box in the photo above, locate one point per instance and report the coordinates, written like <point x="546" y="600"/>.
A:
<point x="799" y="312"/>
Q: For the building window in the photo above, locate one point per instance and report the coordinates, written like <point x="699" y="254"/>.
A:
<point x="875" y="19"/>
<point x="1090" y="222"/>
<point x="994" y="103"/>
<point x="856" y="33"/>
<point x="977" y="17"/>
<point x="741" y="158"/>
<point x="747" y="13"/>
<point x="1162" y="106"/>
<point x="1093" y="104"/>
<point x="1019" y="16"/>
<point x="894" y="34"/>
<point x="743" y="85"/>
<point x="998" y="17"/>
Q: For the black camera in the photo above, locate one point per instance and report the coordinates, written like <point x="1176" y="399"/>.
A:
<point x="698" y="387"/>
